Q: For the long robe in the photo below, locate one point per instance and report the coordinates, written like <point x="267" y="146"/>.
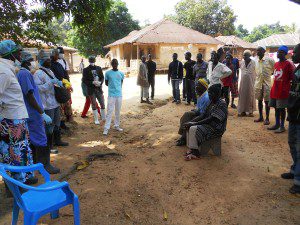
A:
<point x="246" y="89"/>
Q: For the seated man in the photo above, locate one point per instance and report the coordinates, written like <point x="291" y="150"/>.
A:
<point x="211" y="126"/>
<point x="195" y="114"/>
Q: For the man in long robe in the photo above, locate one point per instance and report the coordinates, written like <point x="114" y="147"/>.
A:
<point x="246" y="89"/>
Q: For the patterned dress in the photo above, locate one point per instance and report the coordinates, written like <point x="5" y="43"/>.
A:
<point x="215" y="128"/>
<point x="14" y="146"/>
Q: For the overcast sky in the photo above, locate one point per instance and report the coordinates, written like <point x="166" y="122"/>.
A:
<point x="250" y="13"/>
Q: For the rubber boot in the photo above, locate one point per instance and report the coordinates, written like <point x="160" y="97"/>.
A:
<point x="95" y="112"/>
<point x="102" y="114"/>
<point x="57" y="139"/>
<point x="50" y="144"/>
<point x="45" y="159"/>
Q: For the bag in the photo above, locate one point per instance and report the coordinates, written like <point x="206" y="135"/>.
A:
<point x="62" y="94"/>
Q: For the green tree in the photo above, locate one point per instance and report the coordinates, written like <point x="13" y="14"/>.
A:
<point x="266" y="30"/>
<point x="241" y="31"/>
<point x="119" y="24"/>
<point x="213" y="17"/>
<point x="23" y="23"/>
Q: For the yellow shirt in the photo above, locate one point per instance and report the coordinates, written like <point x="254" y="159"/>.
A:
<point x="264" y="70"/>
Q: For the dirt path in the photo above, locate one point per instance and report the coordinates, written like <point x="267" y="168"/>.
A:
<point x="151" y="180"/>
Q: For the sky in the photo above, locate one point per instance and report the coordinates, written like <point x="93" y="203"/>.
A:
<point x="249" y="13"/>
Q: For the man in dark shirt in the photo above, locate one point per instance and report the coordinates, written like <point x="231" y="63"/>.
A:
<point x="151" y="65"/>
<point x="92" y="77"/>
<point x="200" y="68"/>
<point x="190" y="79"/>
<point x="175" y="74"/>
<point x="58" y="70"/>
<point x="294" y="125"/>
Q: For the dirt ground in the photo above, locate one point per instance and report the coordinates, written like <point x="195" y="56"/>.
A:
<point x="151" y="183"/>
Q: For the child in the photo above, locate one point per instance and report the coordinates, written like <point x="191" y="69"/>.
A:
<point x="114" y="80"/>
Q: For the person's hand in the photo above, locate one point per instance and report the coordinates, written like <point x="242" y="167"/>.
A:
<point x="46" y="118"/>
<point x="54" y="81"/>
<point x="188" y="125"/>
<point x="59" y="83"/>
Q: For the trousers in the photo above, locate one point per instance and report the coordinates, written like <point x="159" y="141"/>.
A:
<point x="190" y="91"/>
<point x="176" y="90"/>
<point x="113" y="104"/>
<point x="294" y="143"/>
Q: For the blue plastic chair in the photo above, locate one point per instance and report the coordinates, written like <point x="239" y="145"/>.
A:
<point x="41" y="200"/>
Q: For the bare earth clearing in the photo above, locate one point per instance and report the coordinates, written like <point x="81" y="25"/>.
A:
<point x="151" y="180"/>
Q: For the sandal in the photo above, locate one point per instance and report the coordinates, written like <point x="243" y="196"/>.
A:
<point x="190" y="157"/>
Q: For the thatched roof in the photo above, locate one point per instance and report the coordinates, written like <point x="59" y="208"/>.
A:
<point x="277" y="40"/>
<point x="234" y="41"/>
<point x="166" y="31"/>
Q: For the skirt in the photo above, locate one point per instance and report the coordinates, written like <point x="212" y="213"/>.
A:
<point x="14" y="146"/>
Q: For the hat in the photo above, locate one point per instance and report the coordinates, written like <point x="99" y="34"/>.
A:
<point x="247" y="51"/>
<point x="7" y="47"/>
<point x="203" y="82"/>
<point x="54" y="52"/>
<point x="263" y="47"/>
<point x="26" y="56"/>
<point x="91" y="57"/>
<point x="284" y="49"/>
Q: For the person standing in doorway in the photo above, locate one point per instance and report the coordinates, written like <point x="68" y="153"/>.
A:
<point x="190" y="79"/>
<point x="151" y="65"/>
<point x="200" y="68"/>
<point x="283" y="74"/>
<point x="264" y="70"/>
<point x="114" y="80"/>
<point x="81" y="66"/>
<point x="175" y="75"/>
<point x="93" y="78"/>
<point x="143" y="81"/>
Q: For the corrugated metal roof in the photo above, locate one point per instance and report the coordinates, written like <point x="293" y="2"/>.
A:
<point x="234" y="41"/>
<point x="166" y="31"/>
<point x="277" y="40"/>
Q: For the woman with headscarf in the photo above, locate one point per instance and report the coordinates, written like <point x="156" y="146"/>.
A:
<point x="246" y="91"/>
<point x="14" y="135"/>
<point x="195" y="114"/>
<point x="212" y="125"/>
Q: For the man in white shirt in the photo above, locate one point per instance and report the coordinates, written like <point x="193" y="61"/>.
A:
<point x="216" y="70"/>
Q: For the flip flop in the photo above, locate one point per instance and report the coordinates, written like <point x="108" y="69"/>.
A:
<point x="190" y="157"/>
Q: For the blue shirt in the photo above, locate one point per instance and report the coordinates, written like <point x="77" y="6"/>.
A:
<point x="202" y="103"/>
<point x="114" y="79"/>
<point x="35" y="122"/>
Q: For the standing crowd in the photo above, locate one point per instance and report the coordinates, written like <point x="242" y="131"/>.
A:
<point x="209" y="86"/>
<point x="35" y="100"/>
<point x="35" y="104"/>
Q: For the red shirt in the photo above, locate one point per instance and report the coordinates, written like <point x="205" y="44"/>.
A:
<point x="283" y="74"/>
<point x="227" y="81"/>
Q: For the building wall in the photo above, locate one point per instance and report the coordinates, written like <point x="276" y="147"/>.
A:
<point x="167" y="50"/>
<point x="162" y="53"/>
